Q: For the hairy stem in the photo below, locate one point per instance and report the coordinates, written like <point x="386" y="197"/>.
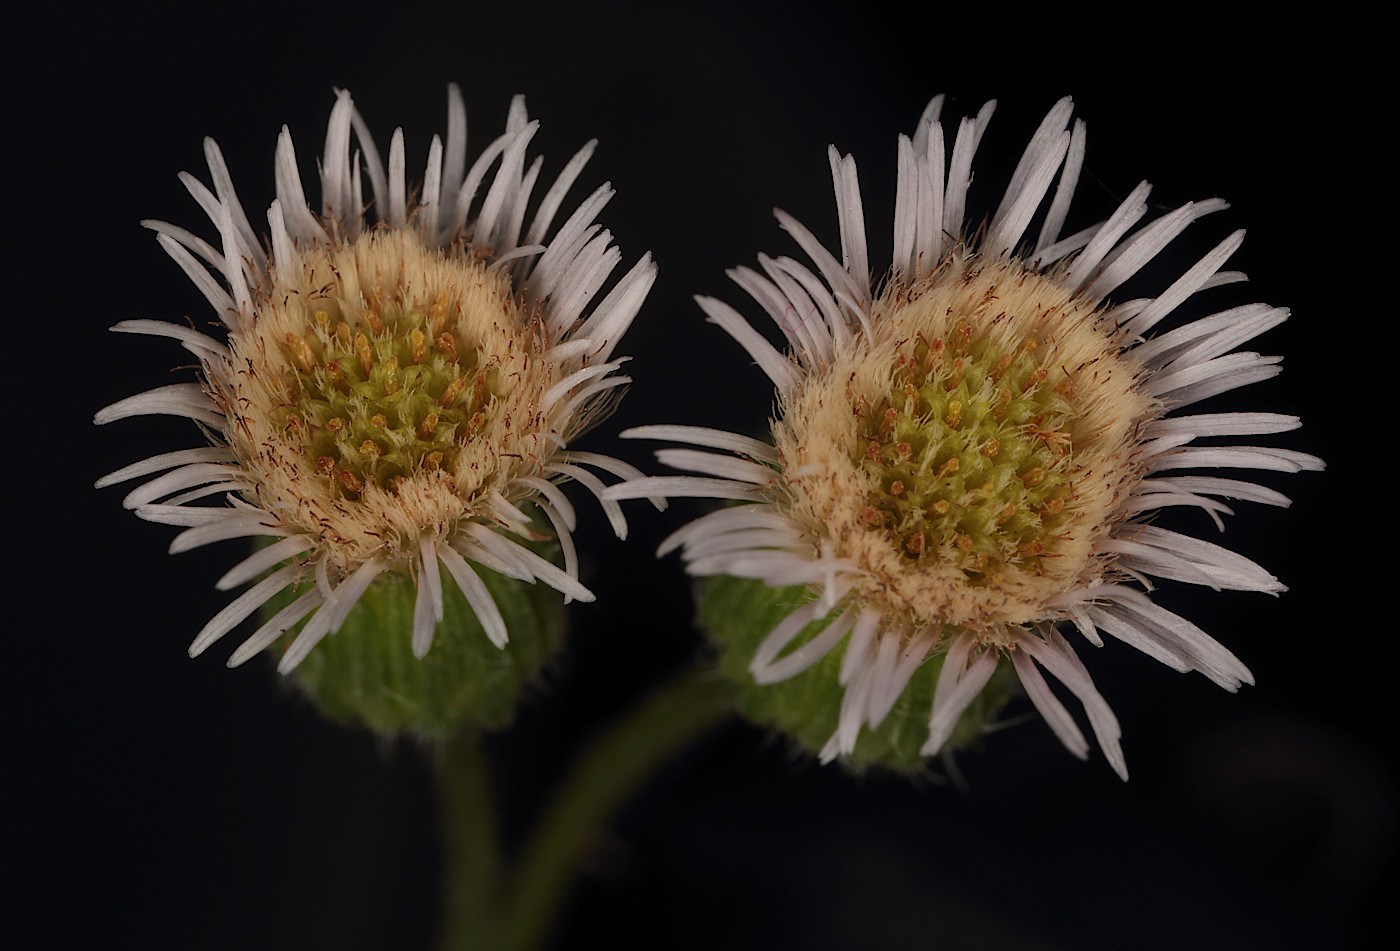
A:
<point x="605" y="774"/>
<point x="471" y="864"/>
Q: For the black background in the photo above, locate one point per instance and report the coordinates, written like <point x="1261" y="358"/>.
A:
<point x="170" y="803"/>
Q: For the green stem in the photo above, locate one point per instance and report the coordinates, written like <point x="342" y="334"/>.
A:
<point x="612" y="767"/>
<point x="471" y="864"/>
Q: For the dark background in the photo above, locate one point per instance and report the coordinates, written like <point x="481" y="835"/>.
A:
<point x="169" y="803"/>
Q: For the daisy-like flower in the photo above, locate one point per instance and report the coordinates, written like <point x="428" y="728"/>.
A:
<point x="398" y="375"/>
<point x="967" y="455"/>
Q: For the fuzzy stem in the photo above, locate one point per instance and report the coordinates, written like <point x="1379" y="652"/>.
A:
<point x="471" y="861"/>
<point x="610" y="769"/>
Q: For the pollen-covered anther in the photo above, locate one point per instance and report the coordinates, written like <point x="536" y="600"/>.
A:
<point x="301" y="352"/>
<point x="365" y="354"/>
<point x="454" y="390"/>
<point x="429" y="424"/>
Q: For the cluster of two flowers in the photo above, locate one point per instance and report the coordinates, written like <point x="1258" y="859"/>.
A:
<point x="963" y="459"/>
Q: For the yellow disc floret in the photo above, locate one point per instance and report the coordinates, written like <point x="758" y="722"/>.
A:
<point x="969" y="458"/>
<point x="387" y="389"/>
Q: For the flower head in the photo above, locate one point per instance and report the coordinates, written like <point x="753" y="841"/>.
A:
<point x="966" y="455"/>
<point x="398" y="377"/>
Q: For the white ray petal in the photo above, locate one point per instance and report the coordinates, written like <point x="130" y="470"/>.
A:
<point x="554" y="198"/>
<point x="177" y="399"/>
<point x="194" y="341"/>
<point x="1051" y="710"/>
<point x="1211" y="485"/>
<point x="905" y="208"/>
<point x="960" y="169"/>
<point x="430" y="199"/>
<point x="1056" y="655"/>
<point x="228" y="196"/>
<point x="477" y="595"/>
<point x="333" y="614"/>
<point x="1186" y="285"/>
<point x="1222" y="424"/>
<point x="768" y="668"/>
<point x="780" y="370"/>
<point x="242" y="606"/>
<point x="563" y="536"/>
<point x="723" y="521"/>
<point x="234" y="525"/>
<point x="1237" y="457"/>
<point x="183" y="515"/>
<point x="335" y="161"/>
<point x="488" y="222"/>
<point x="835" y="274"/>
<point x="956" y="689"/>
<point x="1088" y="261"/>
<point x="300" y="222"/>
<point x="692" y="487"/>
<point x="166" y="460"/>
<point x="595" y="485"/>
<point x="615" y="313"/>
<point x="217" y="297"/>
<point x="556" y="498"/>
<point x="545" y="571"/>
<point x="178" y="480"/>
<point x="207" y="252"/>
<point x="1031" y="179"/>
<point x="454" y="160"/>
<point x="704" y="436"/>
<point x="863" y="634"/>
<point x="398" y="190"/>
<point x="714" y="464"/>
<point x="264" y="558"/>
<point x="427" y="610"/>
<point x="1134" y="253"/>
<point x="623" y="470"/>
<point x="1064" y="191"/>
<point x="276" y="626"/>
<point x="851" y="218"/>
<point x="377" y="182"/>
<point x="284" y="253"/>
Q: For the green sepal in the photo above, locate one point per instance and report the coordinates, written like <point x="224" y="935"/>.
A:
<point x="366" y="675"/>
<point x="740" y="612"/>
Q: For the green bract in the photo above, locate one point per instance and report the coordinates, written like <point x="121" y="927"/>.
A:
<point x="740" y="612"/>
<point x="365" y="674"/>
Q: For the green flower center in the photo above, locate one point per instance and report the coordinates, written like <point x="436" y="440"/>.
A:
<point x="381" y="395"/>
<point x="971" y="451"/>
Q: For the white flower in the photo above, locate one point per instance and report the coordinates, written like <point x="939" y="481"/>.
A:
<point x="398" y="376"/>
<point x="966" y="456"/>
